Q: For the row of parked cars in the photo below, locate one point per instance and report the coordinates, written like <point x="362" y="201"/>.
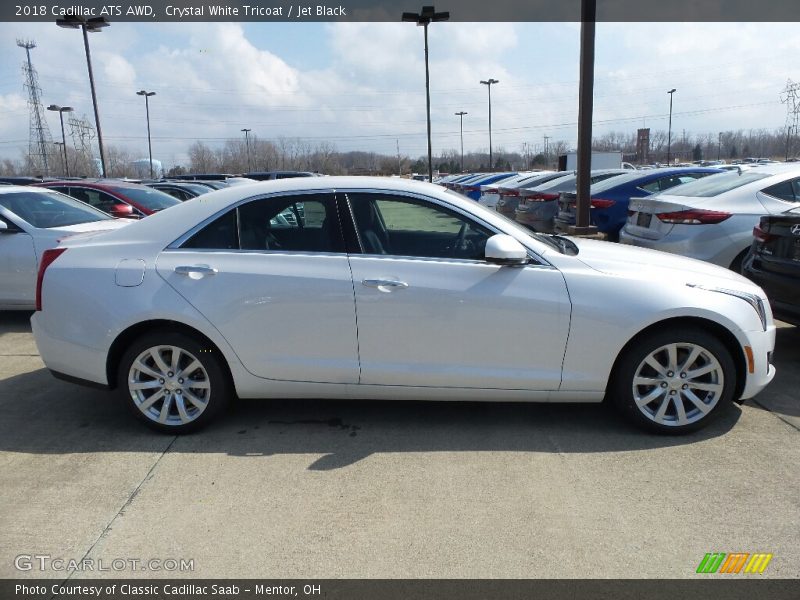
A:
<point x="742" y="217"/>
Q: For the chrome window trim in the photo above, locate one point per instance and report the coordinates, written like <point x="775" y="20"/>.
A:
<point x="178" y="242"/>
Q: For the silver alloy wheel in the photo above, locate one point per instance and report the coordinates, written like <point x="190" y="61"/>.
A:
<point x="169" y="385"/>
<point x="678" y="384"/>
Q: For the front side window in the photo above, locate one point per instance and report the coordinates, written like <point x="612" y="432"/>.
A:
<point x="100" y="200"/>
<point x="289" y="223"/>
<point x="400" y="226"/>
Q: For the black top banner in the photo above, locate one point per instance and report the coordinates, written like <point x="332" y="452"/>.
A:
<point x="391" y="10"/>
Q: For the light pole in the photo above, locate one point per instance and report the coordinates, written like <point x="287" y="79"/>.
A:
<point x="89" y="25"/>
<point x="147" y="95"/>
<point x="461" y="114"/>
<point x="426" y="16"/>
<point x="247" y="146"/>
<point x="669" y="130"/>
<point x="719" y="145"/>
<point x="63" y="161"/>
<point x="488" y="83"/>
<point x="61" y="110"/>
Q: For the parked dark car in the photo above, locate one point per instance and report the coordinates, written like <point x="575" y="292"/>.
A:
<point x="265" y="175"/>
<point x="610" y="198"/>
<point x="774" y="263"/>
<point x="114" y="197"/>
<point x="182" y="190"/>
<point x="537" y="206"/>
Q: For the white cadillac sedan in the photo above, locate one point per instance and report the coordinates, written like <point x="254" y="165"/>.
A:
<point x="31" y="221"/>
<point x="375" y="288"/>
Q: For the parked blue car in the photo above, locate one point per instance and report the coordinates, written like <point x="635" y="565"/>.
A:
<point x="472" y="188"/>
<point x="610" y="198"/>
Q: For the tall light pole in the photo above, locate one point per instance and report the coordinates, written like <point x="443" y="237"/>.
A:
<point x="461" y="114"/>
<point x="147" y="95"/>
<point x="669" y="130"/>
<point x="61" y="110"/>
<point x="247" y="146"/>
<point x="426" y="16"/>
<point x="488" y="83"/>
<point x="63" y="157"/>
<point x="719" y="145"/>
<point x="89" y="25"/>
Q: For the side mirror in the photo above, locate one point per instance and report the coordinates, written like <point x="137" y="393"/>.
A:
<point x="4" y="228"/>
<point x="505" y="250"/>
<point x="122" y="211"/>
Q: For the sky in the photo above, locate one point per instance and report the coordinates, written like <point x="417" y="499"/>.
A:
<point x="361" y="86"/>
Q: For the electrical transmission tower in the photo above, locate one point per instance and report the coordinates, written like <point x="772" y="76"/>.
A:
<point x="82" y="133"/>
<point x="40" y="143"/>
<point x="790" y="96"/>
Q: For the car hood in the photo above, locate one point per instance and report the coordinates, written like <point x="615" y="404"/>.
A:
<point x="617" y="259"/>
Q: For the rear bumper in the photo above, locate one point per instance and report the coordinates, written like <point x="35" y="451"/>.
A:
<point x="68" y="359"/>
<point x="708" y="246"/>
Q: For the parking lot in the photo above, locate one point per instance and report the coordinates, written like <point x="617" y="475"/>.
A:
<point x="309" y="488"/>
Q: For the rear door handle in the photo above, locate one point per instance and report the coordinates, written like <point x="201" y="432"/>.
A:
<point x="379" y="283"/>
<point x="201" y="270"/>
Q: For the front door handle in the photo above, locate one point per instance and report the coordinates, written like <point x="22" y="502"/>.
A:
<point x="195" y="271"/>
<point x="384" y="283"/>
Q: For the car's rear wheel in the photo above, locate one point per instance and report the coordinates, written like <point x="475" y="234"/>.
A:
<point x="173" y="382"/>
<point x="675" y="381"/>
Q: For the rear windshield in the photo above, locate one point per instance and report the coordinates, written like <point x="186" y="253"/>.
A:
<point x="714" y="185"/>
<point x="44" y="210"/>
<point x="148" y="197"/>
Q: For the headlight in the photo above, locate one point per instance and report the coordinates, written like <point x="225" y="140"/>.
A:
<point x="752" y="299"/>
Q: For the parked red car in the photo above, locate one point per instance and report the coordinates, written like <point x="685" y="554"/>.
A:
<point x="115" y="197"/>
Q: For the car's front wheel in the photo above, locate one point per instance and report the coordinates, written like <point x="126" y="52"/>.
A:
<point x="173" y="382"/>
<point x="674" y="381"/>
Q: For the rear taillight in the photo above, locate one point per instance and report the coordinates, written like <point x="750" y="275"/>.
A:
<point x="509" y="193"/>
<point x="540" y="198"/>
<point x="47" y="259"/>
<point x="694" y="216"/>
<point x="762" y="236"/>
<point x="600" y="203"/>
<point x="490" y="191"/>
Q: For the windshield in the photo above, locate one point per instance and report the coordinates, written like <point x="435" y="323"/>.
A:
<point x="714" y="185"/>
<point x="148" y="197"/>
<point x="45" y="210"/>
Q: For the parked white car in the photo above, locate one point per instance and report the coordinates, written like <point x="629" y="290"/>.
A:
<point x="712" y="219"/>
<point x="490" y="193"/>
<point x="31" y="221"/>
<point x="391" y="289"/>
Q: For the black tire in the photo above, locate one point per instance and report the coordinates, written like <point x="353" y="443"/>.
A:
<point x="621" y="389"/>
<point x="211" y="374"/>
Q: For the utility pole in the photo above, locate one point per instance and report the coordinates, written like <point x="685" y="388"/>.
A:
<point x="669" y="130"/>
<point x="546" y="151"/>
<point x="427" y="16"/>
<point x="247" y="146"/>
<point x="61" y="110"/>
<point x="790" y="96"/>
<point x="93" y="25"/>
<point x="399" y="168"/>
<point x="461" y="115"/>
<point x="147" y="110"/>
<point x="488" y="83"/>
<point x="719" y="145"/>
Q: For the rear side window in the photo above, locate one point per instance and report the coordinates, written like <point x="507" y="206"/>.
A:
<point x="292" y="223"/>
<point x="719" y="184"/>
<point x="785" y="190"/>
